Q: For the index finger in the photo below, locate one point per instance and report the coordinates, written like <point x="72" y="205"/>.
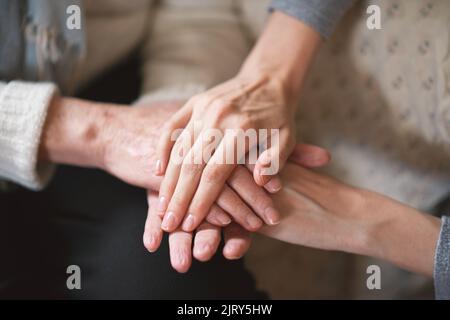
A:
<point x="212" y="181"/>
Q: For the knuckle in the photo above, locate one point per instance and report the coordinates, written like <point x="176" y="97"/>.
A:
<point x="201" y="98"/>
<point x="212" y="175"/>
<point x="200" y="101"/>
<point x="168" y="128"/>
<point x="262" y="201"/>
<point x="221" y="108"/>
<point x="190" y="168"/>
<point x="180" y="149"/>
<point x="241" y="209"/>
<point x="200" y="209"/>
<point x="169" y="125"/>
<point x="235" y="176"/>
<point x="176" y="203"/>
<point x="222" y="104"/>
<point x="195" y="100"/>
<point x="164" y="187"/>
<point x="179" y="141"/>
<point x="171" y="135"/>
<point x="176" y="152"/>
<point x="246" y="121"/>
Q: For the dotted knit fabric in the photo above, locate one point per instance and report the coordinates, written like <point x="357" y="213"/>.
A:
<point x="380" y="101"/>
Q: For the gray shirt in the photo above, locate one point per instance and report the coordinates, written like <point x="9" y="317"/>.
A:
<point x="323" y="15"/>
<point x="442" y="262"/>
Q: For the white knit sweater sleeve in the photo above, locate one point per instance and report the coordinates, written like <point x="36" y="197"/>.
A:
<point x="192" y="45"/>
<point x="23" y="109"/>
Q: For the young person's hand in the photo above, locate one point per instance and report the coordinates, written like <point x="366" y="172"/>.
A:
<point x="321" y="212"/>
<point x="263" y="95"/>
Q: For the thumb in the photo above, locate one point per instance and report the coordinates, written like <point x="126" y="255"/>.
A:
<point x="272" y="160"/>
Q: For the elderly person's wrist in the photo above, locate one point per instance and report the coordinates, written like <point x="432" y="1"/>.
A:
<point x="74" y="132"/>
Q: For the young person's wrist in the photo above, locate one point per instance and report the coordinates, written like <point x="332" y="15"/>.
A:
<point x="284" y="52"/>
<point x="397" y="233"/>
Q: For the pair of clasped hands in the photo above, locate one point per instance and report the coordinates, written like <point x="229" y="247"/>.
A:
<point x="206" y="197"/>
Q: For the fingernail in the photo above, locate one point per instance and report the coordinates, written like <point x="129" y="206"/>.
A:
<point x="162" y="204"/>
<point x="188" y="224"/>
<point x="224" y="219"/>
<point x="272" y="216"/>
<point x="274" y="185"/>
<point x="168" y="221"/>
<point x="254" y="222"/>
<point x="158" y="167"/>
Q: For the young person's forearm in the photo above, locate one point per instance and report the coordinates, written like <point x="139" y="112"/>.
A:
<point x="324" y="213"/>
<point x="401" y="235"/>
<point x="284" y="51"/>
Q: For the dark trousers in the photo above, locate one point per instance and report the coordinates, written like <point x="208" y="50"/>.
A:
<point x="89" y="219"/>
